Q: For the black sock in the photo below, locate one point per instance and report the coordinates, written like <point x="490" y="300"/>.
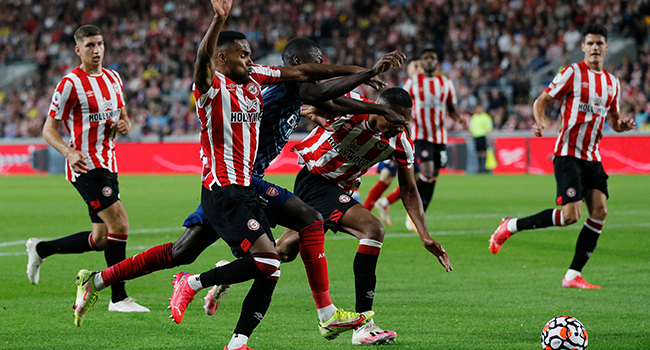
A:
<point x="426" y="192"/>
<point x="115" y="252"/>
<point x="73" y="244"/>
<point x="481" y="165"/>
<point x="586" y="244"/>
<point x="539" y="220"/>
<point x="255" y="305"/>
<point x="237" y="271"/>
<point x="365" y="280"/>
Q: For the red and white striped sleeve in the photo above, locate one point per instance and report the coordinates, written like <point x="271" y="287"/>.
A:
<point x="404" y="151"/>
<point x="265" y="75"/>
<point x="63" y="99"/>
<point x="561" y="84"/>
<point x="616" y="103"/>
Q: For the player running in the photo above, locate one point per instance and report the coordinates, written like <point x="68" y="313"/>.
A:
<point x="434" y="96"/>
<point x="335" y="160"/>
<point x="589" y="96"/>
<point x="90" y="100"/>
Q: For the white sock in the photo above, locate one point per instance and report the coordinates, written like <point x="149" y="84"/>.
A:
<point x="512" y="225"/>
<point x="571" y="274"/>
<point x="325" y="313"/>
<point x="194" y="282"/>
<point x="237" y="341"/>
<point x="99" y="282"/>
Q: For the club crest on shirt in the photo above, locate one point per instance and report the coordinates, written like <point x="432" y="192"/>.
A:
<point x="116" y="87"/>
<point x="348" y="126"/>
<point x="344" y="198"/>
<point x="253" y="224"/>
<point x="272" y="192"/>
<point x="381" y="145"/>
<point x="253" y="88"/>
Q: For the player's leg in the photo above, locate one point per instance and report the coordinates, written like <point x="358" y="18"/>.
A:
<point x="481" y="152"/>
<point x="382" y="205"/>
<point x="359" y="222"/>
<point x="385" y="180"/>
<point x="569" y="195"/>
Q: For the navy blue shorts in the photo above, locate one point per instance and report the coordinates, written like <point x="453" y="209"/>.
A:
<point x="392" y="167"/>
<point x="271" y="195"/>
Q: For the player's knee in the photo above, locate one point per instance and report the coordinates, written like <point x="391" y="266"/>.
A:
<point x="309" y="215"/>
<point x="375" y="231"/>
<point x="268" y="264"/>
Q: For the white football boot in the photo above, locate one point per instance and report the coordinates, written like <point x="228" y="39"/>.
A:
<point x="34" y="261"/>
<point x="371" y="334"/>
<point x="128" y="304"/>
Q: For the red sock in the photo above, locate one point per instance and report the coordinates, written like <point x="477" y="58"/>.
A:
<point x="393" y="196"/>
<point x="375" y="192"/>
<point x="312" y="252"/>
<point x="152" y="259"/>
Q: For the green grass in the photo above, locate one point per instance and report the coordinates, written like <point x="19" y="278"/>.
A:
<point x="487" y="302"/>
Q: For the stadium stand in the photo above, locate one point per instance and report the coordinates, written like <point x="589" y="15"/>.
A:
<point x="490" y="49"/>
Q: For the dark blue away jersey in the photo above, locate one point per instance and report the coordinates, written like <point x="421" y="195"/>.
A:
<point x="280" y="116"/>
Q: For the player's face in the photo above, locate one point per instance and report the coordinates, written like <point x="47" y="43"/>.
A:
<point x="390" y="130"/>
<point x="238" y="64"/>
<point x="594" y="46"/>
<point x="91" y="50"/>
<point x="429" y="62"/>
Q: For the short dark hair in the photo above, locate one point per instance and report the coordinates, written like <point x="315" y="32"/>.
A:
<point x="597" y="29"/>
<point x="429" y="49"/>
<point x="227" y="37"/>
<point x="86" y="31"/>
<point x="396" y="97"/>
<point x="298" y="47"/>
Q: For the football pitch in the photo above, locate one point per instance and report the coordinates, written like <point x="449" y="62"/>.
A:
<point x="488" y="302"/>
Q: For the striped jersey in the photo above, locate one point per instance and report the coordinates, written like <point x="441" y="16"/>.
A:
<point x="430" y="98"/>
<point x="280" y="118"/>
<point x="344" y="155"/>
<point x="586" y="97"/>
<point x="230" y="124"/>
<point x="89" y="104"/>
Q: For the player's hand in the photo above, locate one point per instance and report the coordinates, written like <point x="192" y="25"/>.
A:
<point x="626" y="124"/>
<point x="221" y="7"/>
<point x="438" y="250"/>
<point x="319" y="117"/>
<point x="390" y="60"/>
<point x="376" y="83"/>
<point x="77" y="160"/>
<point x="121" y="126"/>
<point x="393" y="116"/>
<point x="538" y="128"/>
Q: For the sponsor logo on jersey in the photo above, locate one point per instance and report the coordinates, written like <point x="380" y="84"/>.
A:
<point x="272" y="192"/>
<point x="251" y="105"/>
<point x="106" y="105"/>
<point x="349" y="152"/>
<point x="231" y="87"/>
<point x="610" y="90"/>
<point x="571" y="192"/>
<point x="253" y="88"/>
<point x="242" y="117"/>
<point x="584" y="107"/>
<point x="344" y="198"/>
<point x="90" y="93"/>
<point x="107" y="191"/>
<point x="56" y="98"/>
<point x="253" y="224"/>
<point x="557" y="79"/>
<point x="97" y="117"/>
<point x="585" y="85"/>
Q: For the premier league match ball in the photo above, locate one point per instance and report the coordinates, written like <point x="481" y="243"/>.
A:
<point x="564" y="333"/>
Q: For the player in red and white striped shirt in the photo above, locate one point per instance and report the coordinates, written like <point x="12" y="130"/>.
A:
<point x="589" y="95"/>
<point x="89" y="101"/>
<point x="434" y="96"/>
<point x="334" y="162"/>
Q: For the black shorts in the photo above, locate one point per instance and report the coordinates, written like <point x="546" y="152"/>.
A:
<point x="481" y="143"/>
<point x="236" y="215"/>
<point x="574" y="177"/>
<point x="426" y="151"/>
<point x="323" y="195"/>
<point x="99" y="189"/>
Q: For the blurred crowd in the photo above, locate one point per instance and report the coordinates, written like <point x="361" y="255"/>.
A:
<point x="489" y="49"/>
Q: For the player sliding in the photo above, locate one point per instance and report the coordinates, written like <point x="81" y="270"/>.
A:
<point x="589" y="96"/>
<point x="227" y="87"/>
<point x="335" y="160"/>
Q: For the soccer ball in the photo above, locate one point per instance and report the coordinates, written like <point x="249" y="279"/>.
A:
<point x="564" y="333"/>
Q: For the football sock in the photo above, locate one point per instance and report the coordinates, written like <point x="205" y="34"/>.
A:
<point x="571" y="274"/>
<point x="586" y="244"/>
<point x="237" y="341"/>
<point x="115" y="252"/>
<point x="326" y="313"/>
<point x="375" y="192"/>
<point x="153" y="259"/>
<point x="365" y="278"/>
<point x="260" y="265"/>
<point x="545" y="218"/>
<point x="255" y="305"/>
<point x="312" y="252"/>
<point x="194" y="282"/>
<point x="77" y="243"/>
<point x="481" y="164"/>
<point x="425" y="188"/>
<point x="394" y="196"/>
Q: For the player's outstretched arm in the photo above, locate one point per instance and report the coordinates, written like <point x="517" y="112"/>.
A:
<point x="205" y="65"/>
<point x="413" y="205"/>
<point x="539" y="112"/>
<point x="77" y="159"/>
<point x="619" y="124"/>
<point x="315" y="93"/>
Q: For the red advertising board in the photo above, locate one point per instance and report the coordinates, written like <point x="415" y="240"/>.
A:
<point x="17" y="159"/>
